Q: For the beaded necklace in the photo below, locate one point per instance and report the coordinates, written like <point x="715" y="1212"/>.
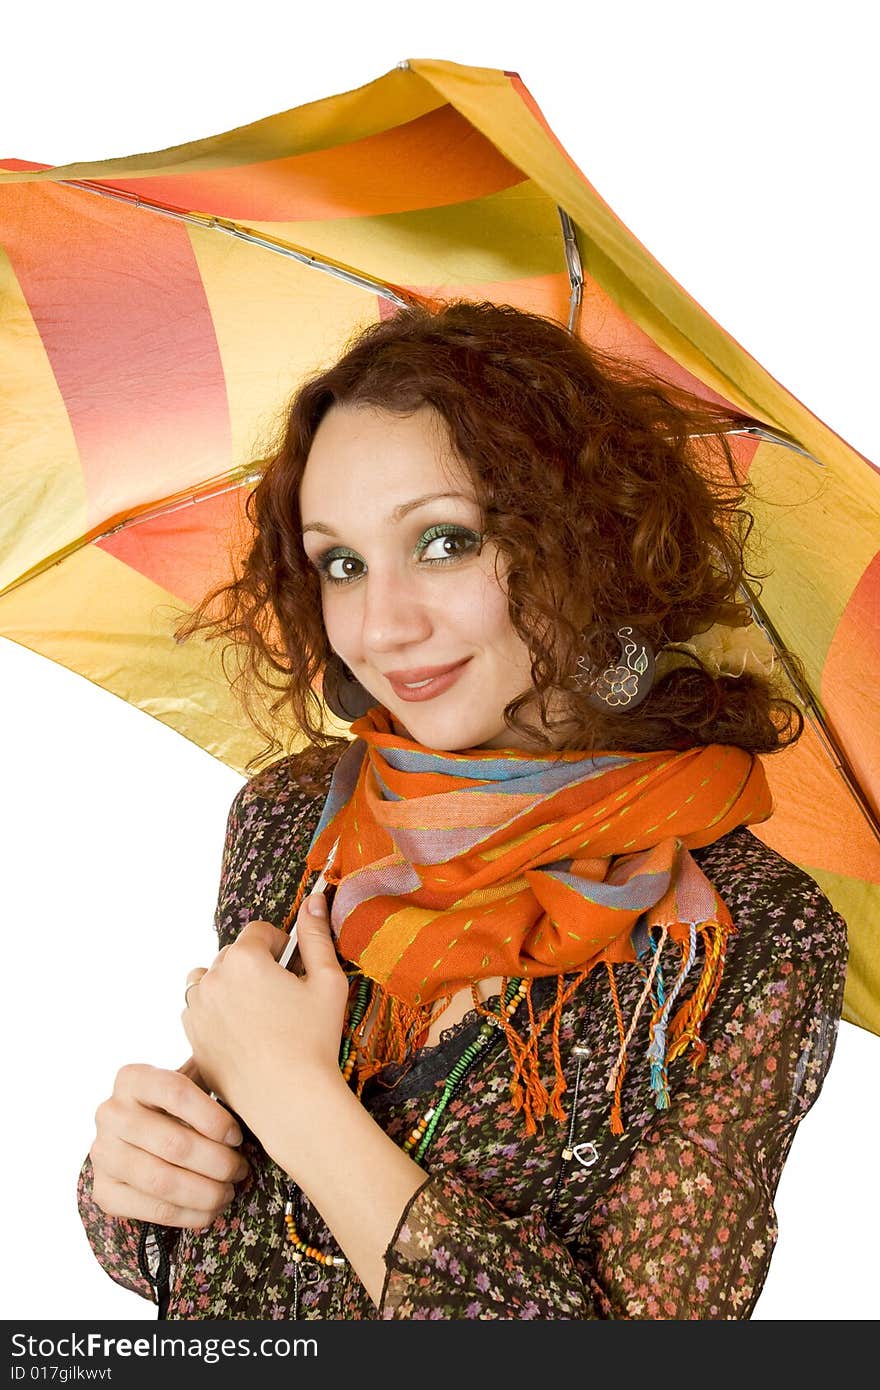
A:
<point x="422" y="1133"/>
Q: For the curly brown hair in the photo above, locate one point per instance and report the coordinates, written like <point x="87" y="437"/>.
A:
<point x="612" y="495"/>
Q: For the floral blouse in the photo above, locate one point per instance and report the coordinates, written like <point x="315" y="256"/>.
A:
<point x="674" y="1218"/>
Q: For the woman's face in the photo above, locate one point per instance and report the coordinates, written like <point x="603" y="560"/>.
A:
<point x="405" y="582"/>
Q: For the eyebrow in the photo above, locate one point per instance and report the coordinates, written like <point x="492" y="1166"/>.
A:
<point x="399" y="512"/>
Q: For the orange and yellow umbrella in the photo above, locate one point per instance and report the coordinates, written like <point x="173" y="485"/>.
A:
<point x="159" y="309"/>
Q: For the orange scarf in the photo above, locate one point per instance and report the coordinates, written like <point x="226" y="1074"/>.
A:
<point x="452" y="867"/>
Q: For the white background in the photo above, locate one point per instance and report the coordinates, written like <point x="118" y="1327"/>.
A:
<point x="739" y="144"/>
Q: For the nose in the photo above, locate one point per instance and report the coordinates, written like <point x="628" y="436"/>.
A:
<point x="395" y="614"/>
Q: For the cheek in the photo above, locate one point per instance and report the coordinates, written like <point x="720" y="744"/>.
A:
<point x="340" y="619"/>
<point x="493" y="588"/>
<point x="489" y="599"/>
<point x="486" y="618"/>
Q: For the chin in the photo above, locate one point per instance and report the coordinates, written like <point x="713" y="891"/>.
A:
<point x="450" y="734"/>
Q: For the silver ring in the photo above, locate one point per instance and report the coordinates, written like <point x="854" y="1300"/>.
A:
<point x="190" y="986"/>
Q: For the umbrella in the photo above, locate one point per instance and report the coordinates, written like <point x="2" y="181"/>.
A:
<point x="159" y="309"/>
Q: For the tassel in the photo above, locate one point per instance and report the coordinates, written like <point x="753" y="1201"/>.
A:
<point x="621" y="1056"/>
<point x="559" y="1085"/>
<point x="616" y="1116"/>
<point x="658" y="1039"/>
<point x="535" y="1101"/>
<point x="684" y="1031"/>
<point x="615" y="1079"/>
<point x="527" y="1089"/>
<point x="656" y="1053"/>
<point x="400" y="1029"/>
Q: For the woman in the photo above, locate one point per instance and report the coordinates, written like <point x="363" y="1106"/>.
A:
<point x="556" y="1020"/>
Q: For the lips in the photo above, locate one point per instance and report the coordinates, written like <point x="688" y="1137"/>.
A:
<point x="424" y="682"/>
<point x="421" y="673"/>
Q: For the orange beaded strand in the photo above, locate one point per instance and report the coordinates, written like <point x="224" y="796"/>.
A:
<point x="303" y="1251"/>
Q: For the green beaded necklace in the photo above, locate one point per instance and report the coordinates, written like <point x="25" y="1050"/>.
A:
<point x="422" y="1133"/>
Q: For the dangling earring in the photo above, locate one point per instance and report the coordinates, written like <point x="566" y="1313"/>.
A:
<point x="624" y="686"/>
<point x="342" y="692"/>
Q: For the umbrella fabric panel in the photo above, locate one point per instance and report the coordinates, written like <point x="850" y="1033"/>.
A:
<point x="819" y="529"/>
<point x="120" y="350"/>
<point x="817" y="825"/>
<point x="510" y="235"/>
<point x="120" y="306"/>
<point x="859" y="908"/>
<point x="275" y="323"/>
<point x="388" y="101"/>
<point x="120" y="310"/>
<point x="44" y="495"/>
<point x="805" y="783"/>
<point x="849" y="679"/>
<point x="501" y="107"/>
<point x="188" y="550"/>
<point x="114" y="625"/>
<point x="434" y="160"/>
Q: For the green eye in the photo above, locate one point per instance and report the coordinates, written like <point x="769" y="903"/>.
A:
<point x="339" y="566"/>
<point x="466" y="540"/>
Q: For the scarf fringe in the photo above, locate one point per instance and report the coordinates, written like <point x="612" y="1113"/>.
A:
<point x="399" y="1029"/>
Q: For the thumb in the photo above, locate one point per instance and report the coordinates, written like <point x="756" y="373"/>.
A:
<point x="316" y="945"/>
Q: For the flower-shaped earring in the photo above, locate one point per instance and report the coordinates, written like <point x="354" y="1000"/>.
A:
<point x="619" y="688"/>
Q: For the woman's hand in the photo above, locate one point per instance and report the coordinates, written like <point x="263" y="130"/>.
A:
<point x="262" y="1037"/>
<point x="164" y="1151"/>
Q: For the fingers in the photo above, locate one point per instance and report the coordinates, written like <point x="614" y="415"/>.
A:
<point x="261" y="935"/>
<point x="256" y="936"/>
<point x="151" y="1162"/>
<point x="167" y="1140"/>
<point x="178" y="1095"/>
<point x="154" y="1177"/>
<point x="118" y="1199"/>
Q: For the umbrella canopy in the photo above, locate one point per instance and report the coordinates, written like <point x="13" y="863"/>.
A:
<point x="159" y="309"/>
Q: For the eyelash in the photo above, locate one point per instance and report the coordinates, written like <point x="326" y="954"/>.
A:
<point x="323" y="562"/>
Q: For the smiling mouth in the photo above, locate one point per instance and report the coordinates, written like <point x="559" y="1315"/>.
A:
<point x="427" y="686"/>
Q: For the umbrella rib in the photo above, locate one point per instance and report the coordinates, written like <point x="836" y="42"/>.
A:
<point x="216" y="224"/>
<point x="575" y="270"/>
<point x="762" y="432"/>
<point x="811" y="710"/>
<point x="574" y="267"/>
<point x="214" y="487"/>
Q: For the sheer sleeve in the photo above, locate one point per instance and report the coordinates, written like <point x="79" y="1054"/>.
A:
<point x="454" y="1255"/>
<point x="686" y="1231"/>
<point x="114" y="1240"/>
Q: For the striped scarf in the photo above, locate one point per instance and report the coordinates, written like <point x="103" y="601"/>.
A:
<point x="453" y="867"/>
